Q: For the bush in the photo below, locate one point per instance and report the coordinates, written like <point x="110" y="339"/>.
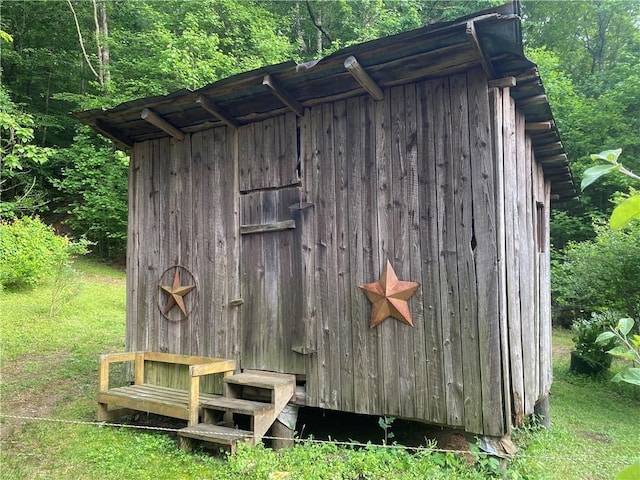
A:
<point x="587" y="350"/>
<point x="602" y="274"/>
<point x="30" y="250"/>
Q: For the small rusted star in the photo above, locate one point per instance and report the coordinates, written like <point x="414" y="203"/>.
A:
<point x="176" y="293"/>
<point x="389" y="297"/>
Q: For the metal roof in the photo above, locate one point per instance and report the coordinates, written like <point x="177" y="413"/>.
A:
<point x="491" y="39"/>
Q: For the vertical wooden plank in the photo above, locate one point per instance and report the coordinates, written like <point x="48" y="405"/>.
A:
<point x="246" y="149"/>
<point x="405" y="394"/>
<point x="307" y="241"/>
<point x="483" y="175"/>
<point x="231" y="206"/>
<point x="464" y="115"/>
<point x="328" y="242"/>
<point x="387" y="331"/>
<point x="355" y="125"/>
<point x="497" y="119"/>
<point x="436" y="400"/>
<point x="416" y="344"/>
<point x="450" y="315"/>
<point x="208" y="275"/>
<point x="221" y="214"/>
<point x="185" y="225"/>
<point x="513" y="256"/>
<point x="546" y="370"/>
<point x="321" y="158"/>
<point x="198" y="262"/>
<point x="525" y="237"/>
<point x="308" y="159"/>
<point x="372" y="260"/>
<point x="534" y="274"/>
<point x="139" y="198"/>
<point x="345" y="280"/>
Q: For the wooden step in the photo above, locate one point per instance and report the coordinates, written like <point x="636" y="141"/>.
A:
<point x="237" y="405"/>
<point x="215" y="433"/>
<point x="255" y="379"/>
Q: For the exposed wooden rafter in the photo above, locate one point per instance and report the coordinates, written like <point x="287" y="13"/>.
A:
<point x="538" y="126"/>
<point x="155" y="119"/>
<point x="217" y="112"/>
<point x="535" y="100"/>
<point x="284" y="96"/>
<point x="503" y="82"/>
<point x="561" y="158"/>
<point x="475" y="43"/>
<point x="363" y="78"/>
<point x="111" y="132"/>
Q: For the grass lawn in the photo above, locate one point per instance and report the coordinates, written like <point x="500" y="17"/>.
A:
<point x="49" y="370"/>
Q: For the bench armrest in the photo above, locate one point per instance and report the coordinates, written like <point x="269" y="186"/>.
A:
<point x="218" y="366"/>
<point x="105" y="360"/>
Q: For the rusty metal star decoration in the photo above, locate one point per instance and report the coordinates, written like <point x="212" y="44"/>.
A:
<point x="390" y="297"/>
<point x="176" y="293"/>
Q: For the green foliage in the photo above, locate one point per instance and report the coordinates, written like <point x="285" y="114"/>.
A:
<point x="385" y="424"/>
<point x="632" y="472"/>
<point x="93" y="188"/>
<point x="628" y="209"/>
<point x="30" y="251"/>
<point x="18" y="156"/>
<point x="627" y="347"/>
<point x="587" y="347"/>
<point x="601" y="274"/>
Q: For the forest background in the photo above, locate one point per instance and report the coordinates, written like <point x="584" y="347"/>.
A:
<point x="68" y="55"/>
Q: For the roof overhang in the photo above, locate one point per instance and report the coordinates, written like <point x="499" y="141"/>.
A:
<point x="491" y="39"/>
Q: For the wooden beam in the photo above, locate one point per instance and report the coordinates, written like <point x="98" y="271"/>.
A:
<point x="284" y="96"/>
<point x="363" y="78"/>
<point x="562" y="158"/>
<point x="217" y="112"/>
<point x="538" y="126"/>
<point x="547" y="148"/>
<point x="155" y="119"/>
<point x="475" y="43"/>
<point x="503" y="82"/>
<point x="535" y="100"/>
<point x="267" y="227"/>
<point x="111" y="132"/>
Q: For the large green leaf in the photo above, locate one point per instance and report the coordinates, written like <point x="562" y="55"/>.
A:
<point x="591" y="174"/>
<point x="625" y="325"/>
<point x="630" y="375"/>
<point x="625" y="212"/>
<point x="610" y="156"/>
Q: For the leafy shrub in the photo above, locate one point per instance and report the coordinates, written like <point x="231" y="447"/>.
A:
<point x="30" y="250"/>
<point x="587" y="348"/>
<point x="602" y="274"/>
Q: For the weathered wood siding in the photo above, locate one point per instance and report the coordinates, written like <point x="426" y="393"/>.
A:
<point x="523" y="226"/>
<point x="282" y="220"/>
<point x="410" y="179"/>
<point x="183" y="210"/>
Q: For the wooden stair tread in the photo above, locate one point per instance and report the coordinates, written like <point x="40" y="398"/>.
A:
<point x="254" y="379"/>
<point x="237" y="405"/>
<point x="215" y="433"/>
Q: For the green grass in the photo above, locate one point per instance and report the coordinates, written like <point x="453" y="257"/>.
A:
<point x="49" y="370"/>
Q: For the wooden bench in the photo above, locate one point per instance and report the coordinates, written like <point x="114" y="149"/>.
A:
<point x="145" y="396"/>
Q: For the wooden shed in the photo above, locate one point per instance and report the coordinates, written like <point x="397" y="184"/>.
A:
<point x="278" y="193"/>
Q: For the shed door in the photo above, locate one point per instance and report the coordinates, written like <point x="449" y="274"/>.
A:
<point x="271" y="279"/>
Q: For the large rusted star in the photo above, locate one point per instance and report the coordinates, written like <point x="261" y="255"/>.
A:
<point x="176" y="293"/>
<point x="389" y="297"/>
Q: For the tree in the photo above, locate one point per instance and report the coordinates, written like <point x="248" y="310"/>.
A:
<point x="19" y="183"/>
